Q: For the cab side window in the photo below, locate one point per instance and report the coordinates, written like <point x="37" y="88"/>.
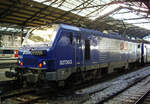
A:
<point x="138" y="46"/>
<point x="79" y="39"/>
<point x="71" y="37"/>
<point x="87" y="49"/>
<point x="65" y="39"/>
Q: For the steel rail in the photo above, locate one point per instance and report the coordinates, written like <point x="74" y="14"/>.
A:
<point x="141" y="99"/>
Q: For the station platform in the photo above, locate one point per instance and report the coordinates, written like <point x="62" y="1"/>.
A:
<point x="7" y="60"/>
<point x="2" y="74"/>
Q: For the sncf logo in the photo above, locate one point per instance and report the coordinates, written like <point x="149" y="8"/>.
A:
<point x="121" y="45"/>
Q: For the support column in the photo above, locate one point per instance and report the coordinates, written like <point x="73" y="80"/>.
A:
<point x="22" y="28"/>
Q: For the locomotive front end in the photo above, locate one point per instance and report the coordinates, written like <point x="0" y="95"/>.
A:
<point x="34" y="54"/>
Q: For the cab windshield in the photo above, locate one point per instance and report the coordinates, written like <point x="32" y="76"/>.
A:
<point x="41" y="36"/>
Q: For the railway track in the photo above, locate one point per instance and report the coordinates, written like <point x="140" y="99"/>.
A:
<point x="134" y="95"/>
<point x="10" y="88"/>
<point x="105" y="93"/>
<point x="33" y="96"/>
<point x="16" y="93"/>
<point x="144" y="99"/>
<point x="6" y="86"/>
<point x="68" y="96"/>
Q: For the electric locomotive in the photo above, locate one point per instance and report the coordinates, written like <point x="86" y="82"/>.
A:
<point x="60" y="52"/>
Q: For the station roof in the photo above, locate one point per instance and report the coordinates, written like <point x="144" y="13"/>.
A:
<point x="85" y="13"/>
<point x="31" y="13"/>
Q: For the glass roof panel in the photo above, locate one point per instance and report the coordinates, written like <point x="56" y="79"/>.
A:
<point x="97" y="8"/>
<point x="80" y="7"/>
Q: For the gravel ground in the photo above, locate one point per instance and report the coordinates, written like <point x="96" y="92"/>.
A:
<point x="132" y="94"/>
<point x="103" y="91"/>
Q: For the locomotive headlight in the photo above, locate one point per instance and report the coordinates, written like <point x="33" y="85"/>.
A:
<point x="44" y="62"/>
<point x="40" y="65"/>
<point x="19" y="61"/>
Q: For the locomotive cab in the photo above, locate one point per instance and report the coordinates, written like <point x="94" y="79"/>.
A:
<point x="36" y="46"/>
<point x="35" y="53"/>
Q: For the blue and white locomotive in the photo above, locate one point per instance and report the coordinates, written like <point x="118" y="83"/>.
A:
<point x="60" y="52"/>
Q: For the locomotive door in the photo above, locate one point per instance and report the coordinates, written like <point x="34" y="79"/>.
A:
<point x="145" y="54"/>
<point x="78" y="50"/>
<point x="146" y="59"/>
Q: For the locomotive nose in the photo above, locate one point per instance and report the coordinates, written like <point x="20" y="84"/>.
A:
<point x="33" y="58"/>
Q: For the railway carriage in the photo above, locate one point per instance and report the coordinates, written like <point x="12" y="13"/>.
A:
<point x="61" y="52"/>
<point x="145" y="53"/>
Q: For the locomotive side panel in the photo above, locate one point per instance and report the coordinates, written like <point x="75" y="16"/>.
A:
<point x="65" y="54"/>
<point x="148" y="53"/>
<point x="64" y="50"/>
<point x="132" y="52"/>
<point x="114" y="51"/>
